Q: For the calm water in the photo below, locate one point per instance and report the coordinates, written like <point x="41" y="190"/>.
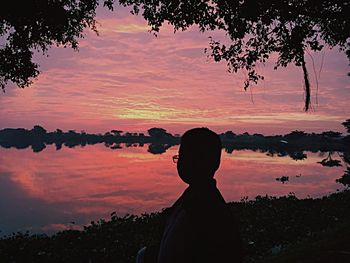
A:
<point x="47" y="191"/>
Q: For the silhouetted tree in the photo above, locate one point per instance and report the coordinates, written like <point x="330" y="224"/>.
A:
<point x="229" y="148"/>
<point x="346" y="157"/>
<point x="229" y="135"/>
<point x="255" y="28"/>
<point x="158" y="148"/>
<point x="297" y="155"/>
<point x="346" y="124"/>
<point x="329" y="162"/>
<point x="158" y="132"/>
<point x="38" y="147"/>
<point x="36" y="25"/>
<point x="116" y="146"/>
<point x="59" y="131"/>
<point x="295" y="135"/>
<point x="331" y="134"/>
<point x="345" y="179"/>
<point x="117" y="132"/>
<point x="283" y="179"/>
<point x="38" y="130"/>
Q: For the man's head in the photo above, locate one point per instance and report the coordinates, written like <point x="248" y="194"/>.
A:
<point x="199" y="155"/>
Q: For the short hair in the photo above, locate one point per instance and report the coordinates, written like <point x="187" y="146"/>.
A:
<point x="201" y="146"/>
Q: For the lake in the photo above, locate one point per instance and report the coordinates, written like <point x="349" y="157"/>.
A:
<point x="64" y="189"/>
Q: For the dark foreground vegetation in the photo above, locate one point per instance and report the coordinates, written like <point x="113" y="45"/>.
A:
<point x="283" y="229"/>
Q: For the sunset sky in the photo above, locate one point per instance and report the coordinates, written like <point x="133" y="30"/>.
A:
<point x="128" y="79"/>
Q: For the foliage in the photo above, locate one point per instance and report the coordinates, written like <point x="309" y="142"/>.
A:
<point x="160" y="140"/>
<point x="295" y="135"/>
<point x="116" y="240"/>
<point x="268" y="222"/>
<point x="117" y="132"/>
<point x="157" y="132"/>
<point x="37" y="129"/>
<point x="229" y="135"/>
<point x="329" y="162"/>
<point x="257" y="28"/>
<point x="265" y="222"/>
<point x="346" y="124"/>
<point x="37" y="25"/>
<point x="332" y="134"/>
<point x="345" y="179"/>
<point x="326" y="246"/>
<point x="283" y="179"/>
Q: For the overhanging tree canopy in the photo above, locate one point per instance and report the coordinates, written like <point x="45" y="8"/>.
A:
<point x="255" y="29"/>
<point x="31" y="25"/>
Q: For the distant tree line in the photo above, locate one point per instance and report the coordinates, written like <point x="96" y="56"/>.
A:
<point x="159" y="140"/>
<point x="38" y="138"/>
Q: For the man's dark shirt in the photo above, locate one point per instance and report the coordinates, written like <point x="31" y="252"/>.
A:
<point x="200" y="228"/>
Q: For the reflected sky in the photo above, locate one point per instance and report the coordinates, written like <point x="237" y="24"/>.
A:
<point x="47" y="191"/>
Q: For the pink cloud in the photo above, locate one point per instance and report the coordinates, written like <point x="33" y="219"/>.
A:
<point x="130" y="79"/>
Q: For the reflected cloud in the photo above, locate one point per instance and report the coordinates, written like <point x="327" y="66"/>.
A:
<point x="42" y="194"/>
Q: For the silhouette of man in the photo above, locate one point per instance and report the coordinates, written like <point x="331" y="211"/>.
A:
<point x="200" y="226"/>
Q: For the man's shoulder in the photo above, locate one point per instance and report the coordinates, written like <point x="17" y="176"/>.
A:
<point x="208" y="199"/>
<point x="210" y="208"/>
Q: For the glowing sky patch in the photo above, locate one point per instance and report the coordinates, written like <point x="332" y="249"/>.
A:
<point x="126" y="28"/>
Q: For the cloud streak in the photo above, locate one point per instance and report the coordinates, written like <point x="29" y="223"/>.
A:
<point x="127" y="78"/>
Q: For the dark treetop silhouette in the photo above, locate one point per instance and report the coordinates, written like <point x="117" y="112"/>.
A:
<point x="200" y="226"/>
<point x="159" y="140"/>
<point x="255" y="29"/>
<point x="36" y="25"/>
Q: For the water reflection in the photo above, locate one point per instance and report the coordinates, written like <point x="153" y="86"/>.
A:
<point x="329" y="162"/>
<point x="50" y="190"/>
<point x="159" y="140"/>
<point x="345" y="179"/>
